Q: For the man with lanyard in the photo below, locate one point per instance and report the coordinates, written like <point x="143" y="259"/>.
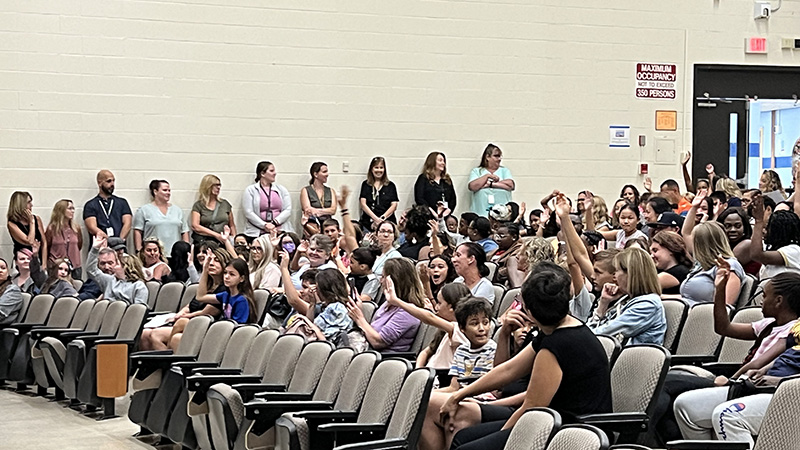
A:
<point x="107" y="215"/>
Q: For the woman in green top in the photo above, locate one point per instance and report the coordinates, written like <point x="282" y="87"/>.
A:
<point x="210" y="214"/>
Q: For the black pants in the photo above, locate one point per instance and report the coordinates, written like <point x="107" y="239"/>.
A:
<point x="484" y="436"/>
<point x="676" y="383"/>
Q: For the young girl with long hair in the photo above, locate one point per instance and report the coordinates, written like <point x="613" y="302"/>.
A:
<point x="628" y="218"/>
<point x="64" y="237"/>
<point x="237" y="302"/>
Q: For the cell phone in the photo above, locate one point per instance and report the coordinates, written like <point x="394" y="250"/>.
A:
<point x="353" y="291"/>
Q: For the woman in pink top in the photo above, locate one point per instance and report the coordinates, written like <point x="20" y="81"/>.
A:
<point x="64" y="237"/>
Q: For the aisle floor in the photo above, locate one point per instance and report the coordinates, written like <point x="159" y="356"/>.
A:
<point x="34" y="422"/>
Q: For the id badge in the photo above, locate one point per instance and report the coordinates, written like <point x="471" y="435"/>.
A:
<point x="268" y="216"/>
<point x="444" y="204"/>
<point x="490" y="199"/>
<point x="110" y="231"/>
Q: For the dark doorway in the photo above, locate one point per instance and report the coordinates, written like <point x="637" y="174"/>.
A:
<point x="711" y="126"/>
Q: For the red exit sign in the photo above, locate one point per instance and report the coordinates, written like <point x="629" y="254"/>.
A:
<point x="755" y="45"/>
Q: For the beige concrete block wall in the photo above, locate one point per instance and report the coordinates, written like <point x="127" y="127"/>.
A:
<point x="157" y="89"/>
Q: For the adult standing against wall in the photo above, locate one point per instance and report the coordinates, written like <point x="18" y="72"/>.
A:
<point x="317" y="199"/>
<point x="267" y="205"/>
<point x="160" y="219"/>
<point x="491" y="184"/>
<point x="434" y="186"/>
<point x="107" y="215"/>
<point x="210" y="213"/>
<point x="64" y="237"/>
<point x="378" y="197"/>
<point x="25" y="227"/>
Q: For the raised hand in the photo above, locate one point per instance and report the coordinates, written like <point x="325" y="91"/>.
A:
<point x="686" y="158"/>
<point x="391" y="294"/>
<point x="723" y="273"/>
<point x="757" y="207"/>
<point x="709" y="168"/>
<point x="344" y="192"/>
<point x="434" y="226"/>
<point x="522" y="210"/>
<point x="562" y="206"/>
<point x="226" y="233"/>
<point x="699" y="198"/>
<point x="648" y="184"/>
<point x="100" y="241"/>
<point x="588" y="202"/>
<point x="303" y="247"/>
<point x="283" y="257"/>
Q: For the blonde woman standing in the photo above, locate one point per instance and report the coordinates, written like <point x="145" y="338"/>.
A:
<point x="210" y="213"/>
<point x="64" y="237"/>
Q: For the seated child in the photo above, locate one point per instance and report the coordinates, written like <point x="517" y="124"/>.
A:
<point x="476" y="358"/>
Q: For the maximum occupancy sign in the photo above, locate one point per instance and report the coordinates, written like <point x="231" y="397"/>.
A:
<point x="656" y="80"/>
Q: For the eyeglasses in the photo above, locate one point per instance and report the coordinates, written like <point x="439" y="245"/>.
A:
<point x="385" y="232"/>
<point x="256" y="249"/>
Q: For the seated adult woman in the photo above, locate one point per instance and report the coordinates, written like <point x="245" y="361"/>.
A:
<point x="434" y="186"/>
<point x="392" y="328"/>
<point x="567" y="364"/>
<point x="25" y="227"/>
<point x="480" y="232"/>
<point x="267" y="205"/>
<point x="417" y="245"/>
<point x="181" y="267"/>
<point x="640" y="317"/>
<point x="490" y="183"/>
<point x="469" y="260"/>
<point x="210" y="213"/>
<point x="780" y="251"/>
<point x="10" y="296"/>
<point x="154" y="262"/>
<point x="264" y="273"/>
<point x="599" y="216"/>
<point x="630" y="193"/>
<point x="64" y="237"/>
<point x="737" y="227"/>
<point x="312" y="254"/>
<point x="668" y="251"/>
<point x="160" y="338"/>
<point x="705" y="242"/>
<point x="378" y="196"/>
<point x="318" y="200"/>
<point x="160" y="219"/>
<point x="770" y="182"/>
<point x="385" y="237"/>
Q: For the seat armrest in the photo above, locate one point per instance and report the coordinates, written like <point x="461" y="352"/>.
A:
<point x="722" y="368"/>
<point x="708" y="445"/>
<point x="329" y="415"/>
<point x="211" y="371"/>
<point x="203" y="382"/>
<point x="383" y="444"/>
<point x="186" y="367"/>
<point x="624" y="423"/>
<point x="350" y="433"/>
<point x="90" y="339"/>
<point x="40" y="333"/>
<point x="691" y="360"/>
<point x="129" y="342"/>
<point x="256" y="409"/>
<point x="284" y="396"/>
<point x="411" y="356"/>
<point x="22" y="328"/>
<point x="248" y="390"/>
<point x="152" y="362"/>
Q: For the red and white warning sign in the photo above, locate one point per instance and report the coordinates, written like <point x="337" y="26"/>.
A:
<point x="656" y="80"/>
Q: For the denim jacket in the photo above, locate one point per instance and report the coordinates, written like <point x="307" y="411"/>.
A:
<point x="640" y="319"/>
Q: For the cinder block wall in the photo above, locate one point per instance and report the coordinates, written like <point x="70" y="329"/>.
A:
<point x="177" y="89"/>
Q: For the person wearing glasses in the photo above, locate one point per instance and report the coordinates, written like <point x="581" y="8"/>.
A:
<point x="264" y="273"/>
<point x="315" y="253"/>
<point x="490" y="183"/>
<point x="210" y="213"/>
<point x="386" y="235"/>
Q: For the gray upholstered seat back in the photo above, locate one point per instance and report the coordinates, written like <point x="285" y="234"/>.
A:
<point x="636" y="375"/>
<point x="62" y="312"/>
<point x="675" y="313"/>
<point x="610" y="345"/>
<point x="309" y="366"/>
<point x="215" y="341"/>
<point x="382" y="391"/>
<point x="500" y="306"/>
<point x="332" y="375"/>
<point x="259" y="352"/>
<point x="82" y="313"/>
<point x="239" y="346"/>
<point x="96" y="317"/>
<point x="734" y="350"/>
<point x="169" y="297"/>
<point x="410" y="406"/>
<point x="132" y="321"/>
<point x="111" y="319"/>
<point x="698" y="336"/>
<point x="261" y="298"/>
<point x="584" y="437"/>
<point x="193" y="335"/>
<point x="152" y="293"/>
<point x="188" y="295"/>
<point x="533" y="430"/>
<point x="283" y="359"/>
<point x="781" y="425"/>
<point x="39" y="308"/>
<point x="356" y="380"/>
<point x="26" y="302"/>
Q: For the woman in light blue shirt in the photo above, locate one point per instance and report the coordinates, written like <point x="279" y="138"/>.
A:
<point x="640" y="318"/>
<point x="490" y="183"/>
<point x="160" y="219"/>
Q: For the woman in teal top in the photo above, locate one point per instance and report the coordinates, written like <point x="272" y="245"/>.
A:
<point x="490" y="183"/>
